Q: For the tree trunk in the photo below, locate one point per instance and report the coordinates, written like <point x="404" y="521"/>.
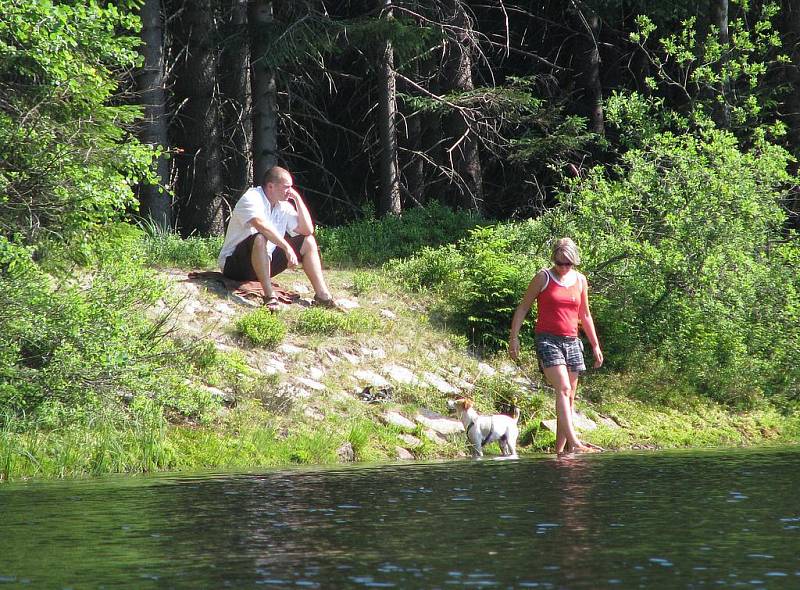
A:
<point x="264" y="95"/>
<point x="237" y="125"/>
<point x="588" y="58"/>
<point x="719" y="17"/>
<point x="390" y="175"/>
<point x="457" y="76"/>
<point x="199" y="179"/>
<point x="790" y="24"/>
<point x="155" y="201"/>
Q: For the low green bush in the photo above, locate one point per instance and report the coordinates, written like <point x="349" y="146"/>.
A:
<point x="438" y="269"/>
<point x="371" y="242"/>
<point x="327" y="322"/>
<point x="262" y="327"/>
<point x="77" y="342"/>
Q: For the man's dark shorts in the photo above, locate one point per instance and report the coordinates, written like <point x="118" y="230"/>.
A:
<point x="239" y="265"/>
<point x="555" y="350"/>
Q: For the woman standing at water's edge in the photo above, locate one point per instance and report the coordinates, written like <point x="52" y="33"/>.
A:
<point x="562" y="297"/>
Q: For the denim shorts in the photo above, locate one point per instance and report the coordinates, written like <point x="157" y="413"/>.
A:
<point x="555" y="350"/>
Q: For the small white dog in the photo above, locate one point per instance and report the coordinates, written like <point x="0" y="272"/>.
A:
<point x="481" y="430"/>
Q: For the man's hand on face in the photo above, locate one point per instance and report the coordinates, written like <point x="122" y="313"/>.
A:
<point x="293" y="194"/>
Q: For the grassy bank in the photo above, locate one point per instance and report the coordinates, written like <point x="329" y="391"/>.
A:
<point x="129" y="368"/>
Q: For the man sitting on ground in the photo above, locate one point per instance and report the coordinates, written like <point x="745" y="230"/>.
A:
<point x="266" y="235"/>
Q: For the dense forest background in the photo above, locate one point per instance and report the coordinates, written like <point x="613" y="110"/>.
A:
<point x="375" y="106"/>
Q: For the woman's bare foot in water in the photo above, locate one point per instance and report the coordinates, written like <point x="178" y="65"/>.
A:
<point x="582" y="447"/>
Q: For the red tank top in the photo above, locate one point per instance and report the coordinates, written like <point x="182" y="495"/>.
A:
<point x="558" y="307"/>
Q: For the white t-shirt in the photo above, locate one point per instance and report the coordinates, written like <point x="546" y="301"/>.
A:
<point x="254" y="203"/>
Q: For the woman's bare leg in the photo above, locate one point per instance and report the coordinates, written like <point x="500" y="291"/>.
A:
<point x="573" y="382"/>
<point x="561" y="380"/>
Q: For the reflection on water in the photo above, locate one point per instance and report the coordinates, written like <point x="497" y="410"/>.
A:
<point x="712" y="519"/>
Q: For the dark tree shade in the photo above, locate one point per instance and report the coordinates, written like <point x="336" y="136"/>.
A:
<point x="196" y="125"/>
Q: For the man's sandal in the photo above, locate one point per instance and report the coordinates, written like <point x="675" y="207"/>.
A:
<point x="329" y="303"/>
<point x="272" y="304"/>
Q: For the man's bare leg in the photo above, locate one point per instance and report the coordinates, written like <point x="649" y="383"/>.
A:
<point x="312" y="266"/>
<point x="261" y="264"/>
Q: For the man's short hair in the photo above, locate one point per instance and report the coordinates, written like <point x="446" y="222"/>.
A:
<point x="274" y="175"/>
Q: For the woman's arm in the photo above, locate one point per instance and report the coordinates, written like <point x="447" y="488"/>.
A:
<point x="534" y="288"/>
<point x="588" y="323"/>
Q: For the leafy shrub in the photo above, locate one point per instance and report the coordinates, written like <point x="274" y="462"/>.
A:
<point x="328" y="322"/>
<point x="499" y="262"/>
<point x="262" y="327"/>
<point x="430" y="268"/>
<point x="68" y="156"/>
<point x="77" y="344"/>
<point x="372" y="242"/>
<point x="189" y="401"/>
<point x="679" y="245"/>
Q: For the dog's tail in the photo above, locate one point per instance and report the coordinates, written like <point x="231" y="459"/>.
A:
<point x="515" y="414"/>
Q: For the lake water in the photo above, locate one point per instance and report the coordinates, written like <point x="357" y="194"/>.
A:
<point x="699" y="519"/>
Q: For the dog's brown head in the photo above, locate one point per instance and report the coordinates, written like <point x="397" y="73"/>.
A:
<point x="459" y="405"/>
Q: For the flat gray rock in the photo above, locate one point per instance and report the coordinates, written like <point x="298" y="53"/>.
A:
<point x="376" y="353"/>
<point x="579" y="422"/>
<point x="550" y="425"/>
<point x="311" y="384"/>
<point x="397" y="419"/>
<point x="434" y="436"/>
<point x="225" y="396"/>
<point x="582" y="422"/>
<point x="412" y="442"/>
<point x="271" y="366"/>
<point x="347" y="304"/>
<point x="401" y="374"/>
<point x="290" y="349"/>
<point x="609" y="422"/>
<point x="370" y="378"/>
<point x="404" y="454"/>
<point x="351" y="358"/>
<point x="330" y="359"/>
<point x="439" y="383"/>
<point x="443" y="425"/>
